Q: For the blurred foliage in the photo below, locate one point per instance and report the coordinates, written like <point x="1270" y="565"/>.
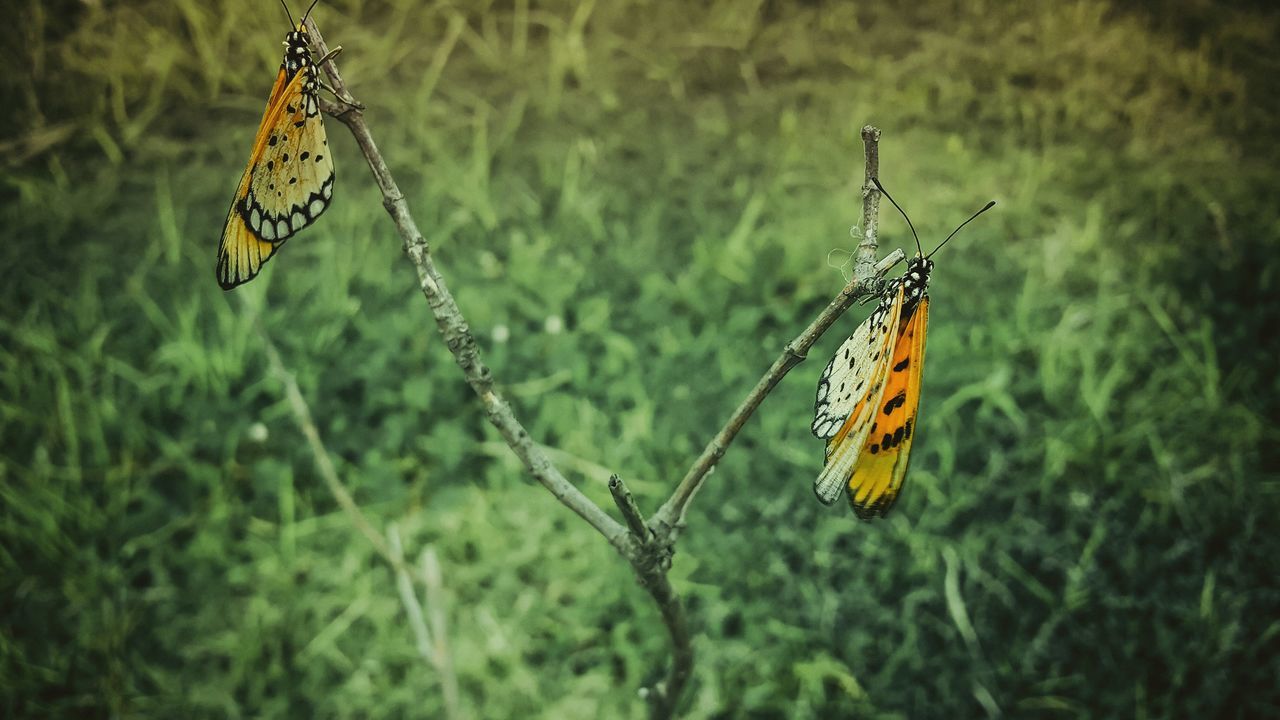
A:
<point x="634" y="202"/>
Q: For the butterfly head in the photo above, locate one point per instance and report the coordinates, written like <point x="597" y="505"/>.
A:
<point x="297" y="51"/>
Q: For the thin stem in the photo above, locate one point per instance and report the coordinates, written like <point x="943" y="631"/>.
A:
<point x="650" y="556"/>
<point x="870" y="201"/>
<point x="630" y="511"/>
<point x="647" y="560"/>
<point x="324" y="464"/>
<point x="670" y="518"/>
<point x="408" y="598"/>
<point x="664" y="698"/>
<point x="450" y="322"/>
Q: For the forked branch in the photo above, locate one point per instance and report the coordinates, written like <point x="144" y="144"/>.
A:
<point x="647" y="546"/>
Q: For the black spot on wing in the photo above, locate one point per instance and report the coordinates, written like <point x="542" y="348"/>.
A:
<point x="895" y="402"/>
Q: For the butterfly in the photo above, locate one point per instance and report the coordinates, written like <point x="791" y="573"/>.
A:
<point x="869" y="394"/>
<point x="289" y="179"/>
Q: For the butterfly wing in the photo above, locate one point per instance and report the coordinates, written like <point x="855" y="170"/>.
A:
<point x="849" y="391"/>
<point x="287" y="184"/>
<point x="881" y="468"/>
<point x="844" y="380"/>
<point x="241" y="253"/>
<point x="282" y="80"/>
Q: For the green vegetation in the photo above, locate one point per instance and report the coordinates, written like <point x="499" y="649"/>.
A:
<point x="1090" y="527"/>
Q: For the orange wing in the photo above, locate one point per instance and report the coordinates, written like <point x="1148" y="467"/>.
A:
<point x="273" y="99"/>
<point x="882" y="466"/>
<point x="872" y="350"/>
<point x="241" y="254"/>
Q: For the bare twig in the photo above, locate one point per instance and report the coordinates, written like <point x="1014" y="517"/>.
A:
<point x="588" y="469"/>
<point x="651" y="561"/>
<point x="630" y="511"/>
<point x="666" y="523"/>
<point x="670" y="517"/>
<point x="646" y="561"/>
<point x="408" y="598"/>
<point x="648" y="547"/>
<point x="664" y="697"/>
<point x="870" y="202"/>
<point x="452" y="325"/>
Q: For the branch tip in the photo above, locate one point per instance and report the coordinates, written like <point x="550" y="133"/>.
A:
<point x="630" y="511"/>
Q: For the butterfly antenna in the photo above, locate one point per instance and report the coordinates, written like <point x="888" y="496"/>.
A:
<point x="985" y="208"/>
<point x="288" y="14"/>
<point x="308" y="14"/>
<point x="904" y="212"/>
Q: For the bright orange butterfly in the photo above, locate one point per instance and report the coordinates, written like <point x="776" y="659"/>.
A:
<point x="289" y="179"/>
<point x="869" y="394"/>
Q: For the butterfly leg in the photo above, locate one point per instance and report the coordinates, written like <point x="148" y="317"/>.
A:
<point x="344" y="106"/>
<point x="335" y="52"/>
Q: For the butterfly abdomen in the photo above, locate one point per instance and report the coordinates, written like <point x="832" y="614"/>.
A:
<point x="297" y="54"/>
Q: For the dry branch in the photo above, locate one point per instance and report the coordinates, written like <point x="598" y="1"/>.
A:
<point x="630" y="511"/>
<point x="667" y="522"/>
<point x="452" y="325"/>
<point x="647" y="546"/>
<point x="866" y="256"/>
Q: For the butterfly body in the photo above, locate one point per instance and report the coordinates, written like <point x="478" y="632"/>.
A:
<point x="869" y="395"/>
<point x="288" y="181"/>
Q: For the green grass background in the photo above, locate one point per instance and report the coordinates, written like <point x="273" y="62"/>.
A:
<point x="634" y="203"/>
